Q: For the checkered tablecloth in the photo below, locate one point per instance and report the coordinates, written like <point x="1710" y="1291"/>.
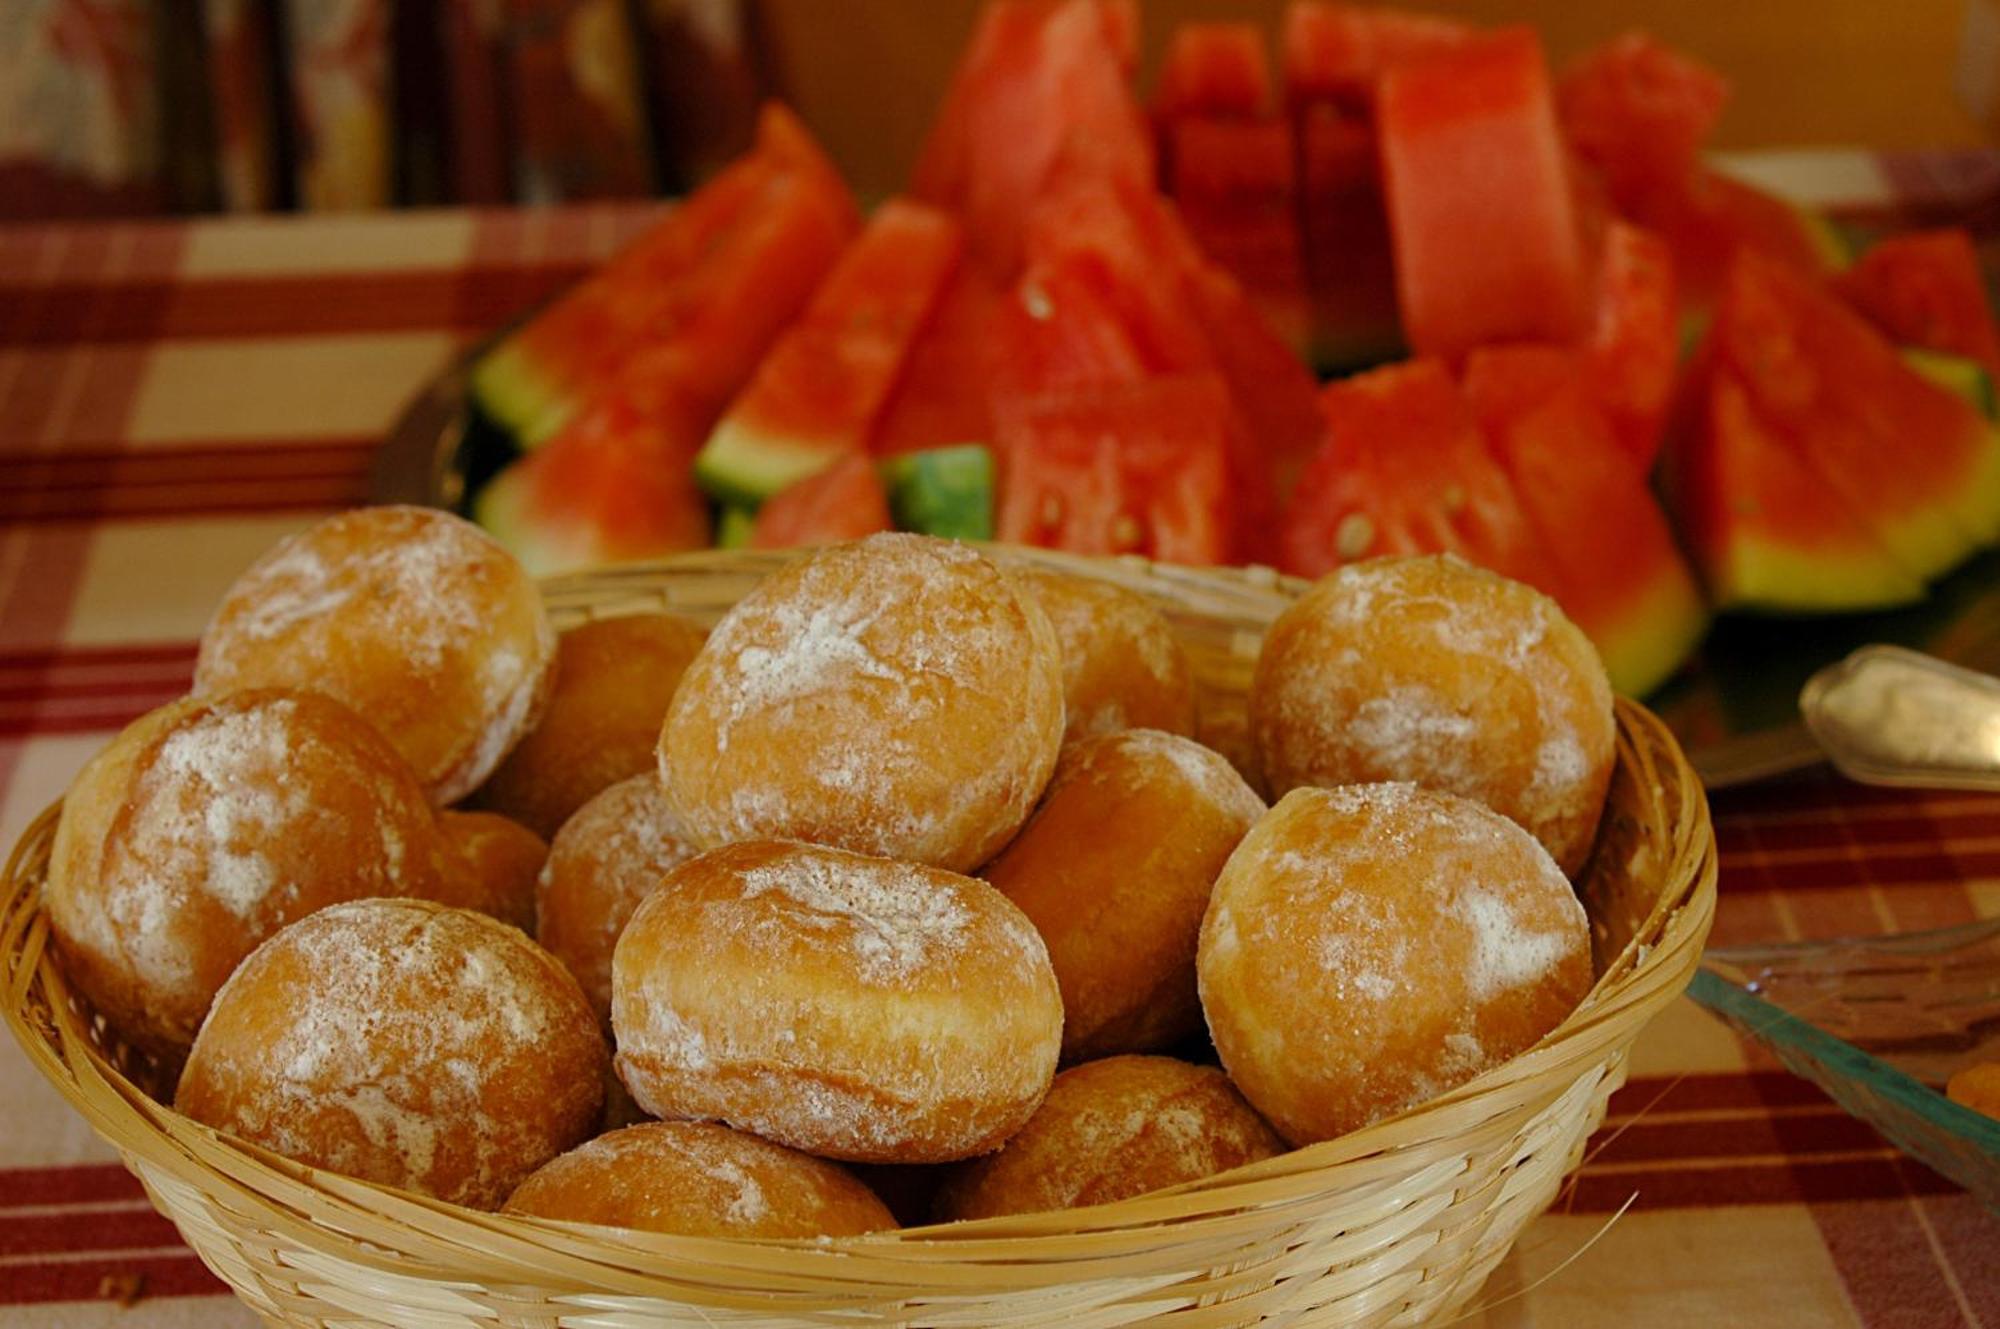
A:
<point x="175" y="397"/>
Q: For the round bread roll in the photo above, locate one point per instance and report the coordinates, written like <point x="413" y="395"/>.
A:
<point x="605" y="860"/>
<point x="894" y="696"/>
<point x="402" y="1042"/>
<point x="1434" y="671"/>
<point x="613" y="680"/>
<point x="1110" y="1130"/>
<point x="417" y="619"/>
<point x="697" y="1179"/>
<point x="1372" y="946"/>
<point x="1123" y="668"/>
<point x="849" y="1006"/>
<point x="499" y="861"/>
<point x="205" y="827"/>
<point x="1114" y="870"/>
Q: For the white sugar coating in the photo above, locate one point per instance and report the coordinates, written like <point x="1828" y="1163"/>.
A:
<point x="1411" y="723"/>
<point x="1505" y="954"/>
<point x="747" y="1204"/>
<point x="896" y="919"/>
<point x="818" y="646"/>
<point x="295" y="586"/>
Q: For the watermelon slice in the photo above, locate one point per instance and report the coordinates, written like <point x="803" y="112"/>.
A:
<point x="1965" y="378"/>
<point x="721" y="271"/>
<point x="842" y="502"/>
<point x="1472" y="134"/>
<point x="1344" y="233"/>
<point x="1926" y="289"/>
<point x="1634" y="345"/>
<point x="1911" y="458"/>
<point x="1710" y="216"/>
<point x="1638" y="111"/>
<point x="1618" y="573"/>
<point x="1214" y="70"/>
<point x="1129" y="468"/>
<point x="1040" y="94"/>
<point x="1403" y="470"/>
<point x="1768" y="532"/>
<point x="946" y="492"/>
<point x="817" y="394"/>
<point x="1236" y="185"/>
<point x="1339" y="52"/>
<point x="611" y="487"/>
<point x="942" y="394"/>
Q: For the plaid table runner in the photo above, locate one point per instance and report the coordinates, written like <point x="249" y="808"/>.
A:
<point x="175" y="397"/>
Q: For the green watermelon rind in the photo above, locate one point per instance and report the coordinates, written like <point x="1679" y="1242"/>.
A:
<point x="1765" y="577"/>
<point x="1977" y="504"/>
<point x="733" y="526"/>
<point x="742" y="466"/>
<point x="1956" y="374"/>
<point x="516" y="394"/>
<point x="947" y="492"/>
<point x="501" y="510"/>
<point x="1656" y="629"/>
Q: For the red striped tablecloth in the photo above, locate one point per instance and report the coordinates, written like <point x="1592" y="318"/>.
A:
<point x="175" y="397"/>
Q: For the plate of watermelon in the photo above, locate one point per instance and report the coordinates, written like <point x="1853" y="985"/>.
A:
<point x="1400" y="288"/>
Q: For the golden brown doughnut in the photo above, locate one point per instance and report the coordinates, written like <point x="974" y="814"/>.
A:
<point x="417" y="619"/>
<point x="849" y="1006"/>
<point x="1114" y="870"/>
<point x="1110" y="1130"/>
<point x="893" y="696"/>
<point x="498" y="862"/>
<point x="605" y="859"/>
<point x="209" y="824"/>
<point x="614" y="678"/>
<point x="1123" y="668"/>
<point x="697" y="1179"/>
<point x="402" y="1042"/>
<point x="1372" y="946"/>
<point x="1431" y="670"/>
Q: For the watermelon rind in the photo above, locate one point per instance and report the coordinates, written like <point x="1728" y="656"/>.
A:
<point x="946" y="492"/>
<point x="742" y="466"/>
<point x="1655" y="631"/>
<point x="733" y="526"/>
<point x="502" y="511"/>
<point x="1956" y="374"/>
<point x="512" y="392"/>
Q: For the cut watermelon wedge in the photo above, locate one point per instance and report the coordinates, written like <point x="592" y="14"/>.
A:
<point x="1912" y="459"/>
<point x="1235" y="183"/>
<point x="1339" y="52"/>
<point x="1768" y="532"/>
<point x="612" y="487"/>
<point x="1344" y="233"/>
<point x="843" y="502"/>
<point x="817" y="394"/>
<point x="1706" y="219"/>
<point x="1926" y="289"/>
<point x="1133" y="468"/>
<point x="1472" y="134"/>
<point x="1638" y="111"/>
<point x="1214" y="70"/>
<point x="942" y="394"/>
<point x="1404" y="470"/>
<point x="1634" y="345"/>
<point x="1618" y="572"/>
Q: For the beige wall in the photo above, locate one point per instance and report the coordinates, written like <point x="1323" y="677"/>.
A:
<point x="867" y="73"/>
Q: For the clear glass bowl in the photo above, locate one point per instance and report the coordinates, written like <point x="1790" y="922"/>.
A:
<point x="1880" y="1023"/>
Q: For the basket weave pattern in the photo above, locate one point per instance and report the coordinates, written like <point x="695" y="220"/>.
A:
<point x="1396" y="1224"/>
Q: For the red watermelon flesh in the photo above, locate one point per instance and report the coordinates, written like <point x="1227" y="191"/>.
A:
<point x="1128" y="468"/>
<point x="1338" y="52"/>
<point x="1638" y="111"/>
<point x="1403" y="470"/>
<point x="1472" y="135"/>
<point x="612" y="487"/>
<point x="1927" y="289"/>
<point x="1214" y="70"/>
<point x="942" y="396"/>
<point x="817" y="394"/>
<point x="1059" y="329"/>
<point x="1618" y="572"/>
<point x="1914" y="460"/>
<point x="1274" y="392"/>
<point x="1634" y="344"/>
<point x="1767" y="530"/>
<point x="1236" y="186"/>
<point x="843" y="502"/>
<point x="1707" y="218"/>
<point x="1344" y="232"/>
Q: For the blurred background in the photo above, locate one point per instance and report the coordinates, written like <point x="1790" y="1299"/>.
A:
<point x="131" y="107"/>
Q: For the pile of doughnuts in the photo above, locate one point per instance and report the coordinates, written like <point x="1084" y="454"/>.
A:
<point x="785" y="929"/>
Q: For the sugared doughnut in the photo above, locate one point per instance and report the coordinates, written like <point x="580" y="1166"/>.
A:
<point x="605" y="860"/>
<point x="402" y="1042"/>
<point x="1110" y="1130"/>
<point x="1123" y="668"/>
<point x="417" y="619"/>
<point x="697" y="1179"/>
<point x="1114" y="870"/>
<point x="1432" y="670"/>
<point x="205" y="827"/>
<point x="1372" y="946"/>
<point x="894" y="696"/>
<point x="499" y="861"/>
<point x="849" y="1006"/>
<point x="614" y="678"/>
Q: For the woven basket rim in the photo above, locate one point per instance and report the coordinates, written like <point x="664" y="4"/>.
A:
<point x="324" y="1207"/>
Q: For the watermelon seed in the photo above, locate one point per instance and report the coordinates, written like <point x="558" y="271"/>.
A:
<point x="1454" y="498"/>
<point x="1126" y="532"/>
<point x="1036" y="301"/>
<point x="1353" y="536"/>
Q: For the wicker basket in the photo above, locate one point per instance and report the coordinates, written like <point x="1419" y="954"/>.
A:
<point x="1397" y="1224"/>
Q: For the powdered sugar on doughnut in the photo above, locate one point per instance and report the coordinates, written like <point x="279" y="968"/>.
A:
<point x="1505" y="954"/>
<point x="896" y="919"/>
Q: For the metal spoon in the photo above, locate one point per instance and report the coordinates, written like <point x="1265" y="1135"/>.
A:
<point x="1886" y="715"/>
